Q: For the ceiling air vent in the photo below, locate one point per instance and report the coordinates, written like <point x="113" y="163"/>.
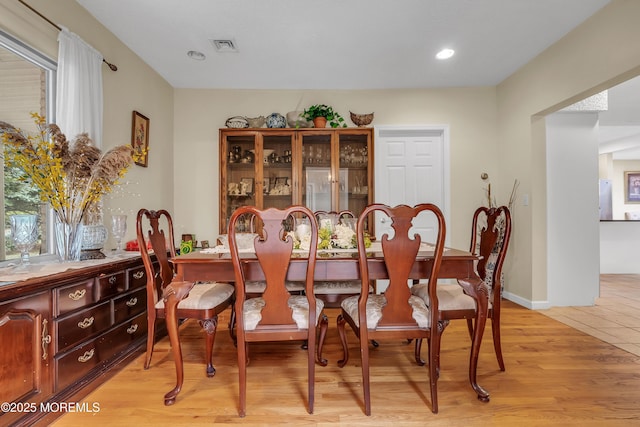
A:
<point x="224" y="45"/>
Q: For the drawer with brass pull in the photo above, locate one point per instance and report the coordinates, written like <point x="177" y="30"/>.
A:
<point x="129" y="305"/>
<point x="111" y="284"/>
<point x="73" y="297"/>
<point x="132" y="330"/>
<point x="78" y="361"/>
<point x="76" y="327"/>
<point x="136" y="277"/>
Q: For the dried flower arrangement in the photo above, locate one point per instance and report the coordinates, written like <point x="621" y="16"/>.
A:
<point x="72" y="178"/>
<point x="491" y="201"/>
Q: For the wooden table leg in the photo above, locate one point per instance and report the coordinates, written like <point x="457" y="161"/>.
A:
<point x="173" y="294"/>
<point x="478" y="290"/>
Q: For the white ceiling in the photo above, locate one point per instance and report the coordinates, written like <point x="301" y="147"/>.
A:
<point x="339" y="44"/>
<point x="357" y="44"/>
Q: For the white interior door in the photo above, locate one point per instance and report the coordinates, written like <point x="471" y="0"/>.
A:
<point x="411" y="167"/>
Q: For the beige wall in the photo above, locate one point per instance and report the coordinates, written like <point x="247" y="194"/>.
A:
<point x="134" y="86"/>
<point x="602" y="52"/>
<point x="469" y="112"/>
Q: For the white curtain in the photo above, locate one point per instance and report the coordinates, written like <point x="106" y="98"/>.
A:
<point x="79" y="88"/>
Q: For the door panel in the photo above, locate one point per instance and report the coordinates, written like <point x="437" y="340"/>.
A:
<point x="411" y="169"/>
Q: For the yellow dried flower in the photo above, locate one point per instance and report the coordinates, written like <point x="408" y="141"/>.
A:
<point x="70" y="177"/>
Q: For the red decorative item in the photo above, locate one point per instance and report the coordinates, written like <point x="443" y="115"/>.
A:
<point x="132" y="245"/>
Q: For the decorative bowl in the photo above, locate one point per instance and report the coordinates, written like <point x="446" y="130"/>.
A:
<point x="237" y="122"/>
<point x="266" y="152"/>
<point x="361" y="119"/>
<point x="256" y="122"/>
<point x="296" y="120"/>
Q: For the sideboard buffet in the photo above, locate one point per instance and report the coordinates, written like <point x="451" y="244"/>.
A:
<point x="61" y="333"/>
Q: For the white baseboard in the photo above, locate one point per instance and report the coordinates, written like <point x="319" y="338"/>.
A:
<point x="532" y="305"/>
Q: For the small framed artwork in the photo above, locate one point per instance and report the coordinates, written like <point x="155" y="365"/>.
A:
<point x="205" y="244"/>
<point x="632" y="187"/>
<point x="281" y="180"/>
<point x="140" y="138"/>
<point x="246" y="185"/>
<point x="265" y="185"/>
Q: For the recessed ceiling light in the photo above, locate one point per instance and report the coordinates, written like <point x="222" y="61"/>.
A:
<point x="198" y="56"/>
<point x="445" y="54"/>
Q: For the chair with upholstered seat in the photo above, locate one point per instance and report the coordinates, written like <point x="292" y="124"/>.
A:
<point x="395" y="314"/>
<point x="490" y="233"/>
<point x="204" y="302"/>
<point x="276" y="314"/>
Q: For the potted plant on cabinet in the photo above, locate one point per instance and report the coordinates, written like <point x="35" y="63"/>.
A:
<point x="318" y="112"/>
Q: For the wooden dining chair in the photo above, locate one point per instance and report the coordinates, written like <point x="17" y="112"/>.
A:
<point x="490" y="234"/>
<point x="276" y="314"/>
<point x="204" y="302"/>
<point x="395" y="314"/>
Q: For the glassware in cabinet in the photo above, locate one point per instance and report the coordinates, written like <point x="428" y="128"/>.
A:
<point x="277" y="177"/>
<point x="354" y="150"/>
<point x="237" y="173"/>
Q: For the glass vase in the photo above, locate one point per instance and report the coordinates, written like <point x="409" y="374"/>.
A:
<point x="69" y="240"/>
<point x="24" y="231"/>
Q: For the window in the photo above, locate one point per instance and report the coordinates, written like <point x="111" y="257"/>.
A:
<point x="27" y="84"/>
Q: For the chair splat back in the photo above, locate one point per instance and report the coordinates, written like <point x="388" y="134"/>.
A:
<point x="491" y="232"/>
<point x="273" y="249"/>
<point x="161" y="246"/>
<point x="399" y="255"/>
<point x="274" y="255"/>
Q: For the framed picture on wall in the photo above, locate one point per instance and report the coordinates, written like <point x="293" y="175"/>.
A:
<point x="140" y="138"/>
<point x="632" y="187"/>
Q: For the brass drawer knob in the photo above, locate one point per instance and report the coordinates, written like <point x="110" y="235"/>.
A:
<point x="138" y="274"/>
<point x="132" y="302"/>
<point x="132" y="329"/>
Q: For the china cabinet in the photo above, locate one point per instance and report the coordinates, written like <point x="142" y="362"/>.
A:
<point x="323" y="169"/>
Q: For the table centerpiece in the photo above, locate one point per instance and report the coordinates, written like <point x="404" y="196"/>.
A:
<point x="337" y="237"/>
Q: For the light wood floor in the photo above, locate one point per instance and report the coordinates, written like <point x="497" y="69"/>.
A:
<point x="615" y="318"/>
<point x="555" y="375"/>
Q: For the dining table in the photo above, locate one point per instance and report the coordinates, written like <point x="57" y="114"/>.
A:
<point x="214" y="264"/>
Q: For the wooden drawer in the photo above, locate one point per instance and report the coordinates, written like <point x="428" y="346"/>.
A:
<point x="75" y="364"/>
<point x="77" y="327"/>
<point x="78" y="362"/>
<point x="129" y="305"/>
<point x="136" y="277"/>
<point x="111" y="284"/>
<point x="73" y="297"/>
<point x="128" y="332"/>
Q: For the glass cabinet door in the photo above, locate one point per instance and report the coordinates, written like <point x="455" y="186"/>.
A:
<point x="238" y="178"/>
<point x="355" y="179"/>
<point x="277" y="171"/>
<point x="317" y="172"/>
